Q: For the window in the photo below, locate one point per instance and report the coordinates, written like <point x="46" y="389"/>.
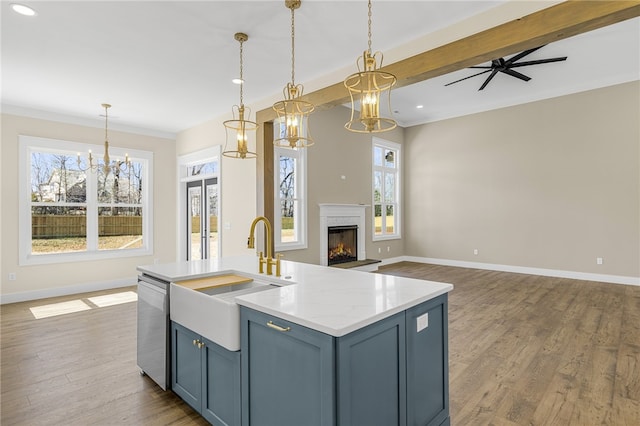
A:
<point x="290" y="205"/>
<point x="386" y="190"/>
<point x="70" y="214"/>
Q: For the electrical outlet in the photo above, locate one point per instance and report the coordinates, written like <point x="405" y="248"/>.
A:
<point x="388" y="249"/>
<point x="475" y="252"/>
<point x="379" y="250"/>
<point x="422" y="322"/>
<point x="12" y="276"/>
<point x="599" y="260"/>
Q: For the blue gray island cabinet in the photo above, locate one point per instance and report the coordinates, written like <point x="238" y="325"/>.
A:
<point x="317" y="346"/>
<point x="392" y="372"/>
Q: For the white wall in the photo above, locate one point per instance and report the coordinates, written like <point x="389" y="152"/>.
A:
<point x="237" y="185"/>
<point x="37" y="281"/>
<point x="552" y="184"/>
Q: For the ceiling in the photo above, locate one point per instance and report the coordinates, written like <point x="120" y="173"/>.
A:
<point x="166" y="66"/>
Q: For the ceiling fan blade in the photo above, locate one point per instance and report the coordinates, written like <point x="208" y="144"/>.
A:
<point x="521" y="55"/>
<point x="493" y="74"/>
<point x="516" y="74"/>
<point x="457" y="81"/>
<point x="481" y="67"/>
<point x="539" y="61"/>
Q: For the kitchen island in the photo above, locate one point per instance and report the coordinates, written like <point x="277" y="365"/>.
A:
<point x="323" y="346"/>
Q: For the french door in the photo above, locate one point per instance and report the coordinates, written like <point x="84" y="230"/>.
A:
<point x="202" y="219"/>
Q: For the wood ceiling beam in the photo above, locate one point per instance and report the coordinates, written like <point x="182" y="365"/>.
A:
<point x="555" y="23"/>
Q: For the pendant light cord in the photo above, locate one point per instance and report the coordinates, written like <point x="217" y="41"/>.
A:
<point x="293" y="51"/>
<point x="106" y="121"/>
<point x="241" y="76"/>
<point x="369" y="23"/>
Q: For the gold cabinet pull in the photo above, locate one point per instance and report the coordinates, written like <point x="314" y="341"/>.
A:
<point x="195" y="342"/>
<point x="271" y="324"/>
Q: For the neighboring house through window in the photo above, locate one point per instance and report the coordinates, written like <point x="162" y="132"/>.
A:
<point x="70" y="213"/>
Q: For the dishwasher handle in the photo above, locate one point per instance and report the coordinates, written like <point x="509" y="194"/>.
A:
<point x="153" y="281"/>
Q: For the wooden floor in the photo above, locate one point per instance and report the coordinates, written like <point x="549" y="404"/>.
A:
<point x="524" y="350"/>
<point x="531" y="350"/>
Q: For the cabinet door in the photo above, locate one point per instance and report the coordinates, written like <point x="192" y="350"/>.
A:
<point x="220" y="385"/>
<point x="186" y="368"/>
<point x="287" y="373"/>
<point x="371" y="374"/>
<point x="427" y="363"/>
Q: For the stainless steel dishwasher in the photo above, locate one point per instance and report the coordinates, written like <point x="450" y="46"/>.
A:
<point x="153" y="330"/>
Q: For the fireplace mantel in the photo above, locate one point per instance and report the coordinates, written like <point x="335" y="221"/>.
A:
<point x="341" y="215"/>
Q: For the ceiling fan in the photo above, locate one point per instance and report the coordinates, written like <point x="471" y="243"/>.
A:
<point x="505" y="66"/>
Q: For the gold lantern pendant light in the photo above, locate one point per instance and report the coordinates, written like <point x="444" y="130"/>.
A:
<point x="370" y="87"/>
<point x="293" y="112"/>
<point x="238" y="127"/>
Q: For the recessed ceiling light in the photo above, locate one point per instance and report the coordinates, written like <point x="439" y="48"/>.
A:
<point x="419" y="106"/>
<point x="22" y="9"/>
<point x="237" y="81"/>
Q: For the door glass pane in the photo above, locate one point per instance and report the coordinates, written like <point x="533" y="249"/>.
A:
<point x="203" y="169"/>
<point x="212" y="211"/>
<point x="195" y="252"/>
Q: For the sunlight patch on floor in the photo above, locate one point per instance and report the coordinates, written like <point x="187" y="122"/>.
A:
<point x="61" y="308"/>
<point x="114" y="299"/>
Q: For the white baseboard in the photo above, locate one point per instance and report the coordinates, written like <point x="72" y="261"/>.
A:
<point x="613" y="279"/>
<point x="65" y="291"/>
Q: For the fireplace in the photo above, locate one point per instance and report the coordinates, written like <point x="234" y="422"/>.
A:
<point x="342" y="216"/>
<point x="342" y="244"/>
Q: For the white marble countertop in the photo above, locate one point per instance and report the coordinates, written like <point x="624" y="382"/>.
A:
<point x="331" y="300"/>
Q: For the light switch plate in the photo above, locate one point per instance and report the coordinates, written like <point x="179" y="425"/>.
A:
<point x="422" y="322"/>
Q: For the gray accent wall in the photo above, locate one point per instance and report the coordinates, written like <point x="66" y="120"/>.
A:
<point x="551" y="184"/>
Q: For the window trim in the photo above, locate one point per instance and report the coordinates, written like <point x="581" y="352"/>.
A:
<point x="377" y="142"/>
<point x="29" y="144"/>
<point x="301" y="188"/>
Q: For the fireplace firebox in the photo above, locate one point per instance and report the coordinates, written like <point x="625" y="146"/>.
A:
<point x="343" y="244"/>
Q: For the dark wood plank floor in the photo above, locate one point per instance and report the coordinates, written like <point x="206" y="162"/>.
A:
<point x="524" y="350"/>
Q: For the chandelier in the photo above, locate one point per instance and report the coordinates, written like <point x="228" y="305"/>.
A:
<point x="107" y="166"/>
<point x="370" y="87"/>
<point x="238" y="127"/>
<point x="293" y="112"/>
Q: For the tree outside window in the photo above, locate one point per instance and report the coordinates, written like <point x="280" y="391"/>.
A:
<point x="386" y="189"/>
<point x="75" y="210"/>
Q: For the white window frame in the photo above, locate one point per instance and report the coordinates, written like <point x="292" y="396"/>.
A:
<point x="397" y="234"/>
<point x="300" y="154"/>
<point x="30" y="144"/>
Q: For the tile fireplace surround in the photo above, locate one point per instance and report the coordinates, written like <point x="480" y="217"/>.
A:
<point x="341" y="215"/>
